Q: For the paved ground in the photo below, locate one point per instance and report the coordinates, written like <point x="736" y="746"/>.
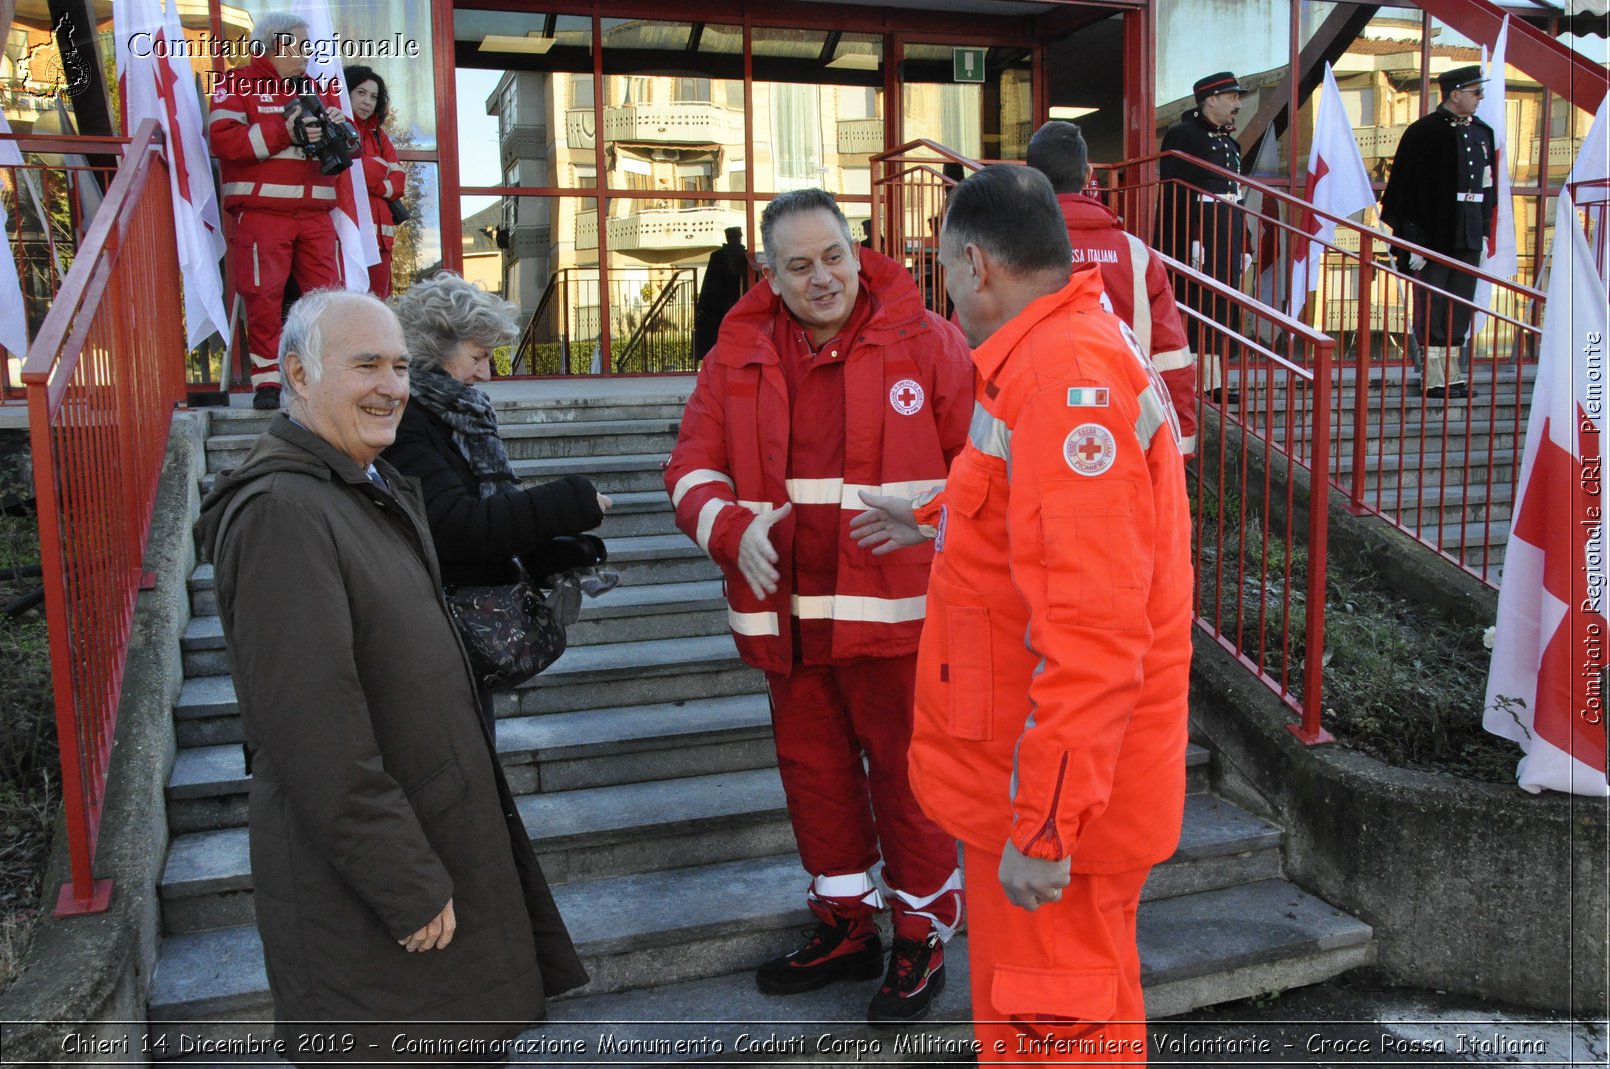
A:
<point x="1351" y="1022"/>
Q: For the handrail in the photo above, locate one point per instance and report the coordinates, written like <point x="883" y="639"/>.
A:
<point x="1297" y="202"/>
<point x="527" y="336"/>
<point x="661" y="299"/>
<point x="102" y="378"/>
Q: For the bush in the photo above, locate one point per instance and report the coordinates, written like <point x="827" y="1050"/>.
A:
<point x="29" y="762"/>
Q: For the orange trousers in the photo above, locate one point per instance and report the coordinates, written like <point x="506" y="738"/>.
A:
<point x="1061" y="984"/>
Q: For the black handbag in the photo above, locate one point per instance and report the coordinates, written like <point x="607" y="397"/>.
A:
<point x="509" y="631"/>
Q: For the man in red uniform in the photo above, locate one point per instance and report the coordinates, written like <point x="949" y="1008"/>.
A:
<point x="1051" y="682"/>
<point x="279" y="200"/>
<point x="1137" y="286"/>
<point x="829" y="381"/>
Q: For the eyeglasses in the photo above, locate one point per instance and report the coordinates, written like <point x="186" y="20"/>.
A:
<point x="1476" y="92"/>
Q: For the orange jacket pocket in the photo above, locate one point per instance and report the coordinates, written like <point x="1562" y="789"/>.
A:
<point x="1054" y="994"/>
<point x="1095" y="551"/>
<point x="971" y="673"/>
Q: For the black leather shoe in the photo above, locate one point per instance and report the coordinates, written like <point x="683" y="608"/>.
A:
<point x="1435" y="393"/>
<point x="845" y="950"/>
<point x="266" y="398"/>
<point x="1462" y="390"/>
<point x="1224" y="395"/>
<point x="916" y="977"/>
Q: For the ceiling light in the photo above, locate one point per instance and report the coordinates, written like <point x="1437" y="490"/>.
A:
<point x="500" y="42"/>
<point x="1069" y="112"/>
<point x="856" y="61"/>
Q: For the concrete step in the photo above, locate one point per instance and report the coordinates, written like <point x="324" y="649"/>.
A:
<point x="599" y="676"/>
<point x="1435" y="468"/>
<point x="1432" y="505"/>
<point x="662" y="405"/>
<point x="580" y="835"/>
<point x="551" y="752"/>
<point x="625" y="473"/>
<point x="699" y="933"/>
<point x="640" y="512"/>
<point x="675" y="823"/>
<point x="522" y="440"/>
<point x="626" y="614"/>
<point x="666" y="558"/>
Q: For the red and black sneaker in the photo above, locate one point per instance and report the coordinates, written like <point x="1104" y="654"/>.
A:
<point x="845" y="948"/>
<point x="916" y="977"/>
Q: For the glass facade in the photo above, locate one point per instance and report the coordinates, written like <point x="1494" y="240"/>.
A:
<point x="602" y="151"/>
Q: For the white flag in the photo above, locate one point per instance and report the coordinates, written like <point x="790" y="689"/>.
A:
<point x="354" y="226"/>
<point x="1499" y="256"/>
<point x="1338" y="183"/>
<point x="1589" y="184"/>
<point x="161" y="87"/>
<point x="13" y="312"/>
<point x="1545" y="689"/>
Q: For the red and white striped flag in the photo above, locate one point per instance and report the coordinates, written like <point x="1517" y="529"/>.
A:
<point x="13" y="311"/>
<point x="1338" y="182"/>
<point x="154" y="84"/>
<point x="354" y="226"/>
<point x="1545" y="689"/>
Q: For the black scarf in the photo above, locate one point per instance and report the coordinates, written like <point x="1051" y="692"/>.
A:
<point x="468" y="413"/>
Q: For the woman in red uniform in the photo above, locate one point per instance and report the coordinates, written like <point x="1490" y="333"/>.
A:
<point x="371" y="106"/>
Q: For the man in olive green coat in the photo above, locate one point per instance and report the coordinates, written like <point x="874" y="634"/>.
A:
<point x="394" y="881"/>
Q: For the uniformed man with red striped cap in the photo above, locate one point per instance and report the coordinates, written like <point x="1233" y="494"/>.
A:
<point x="1201" y="220"/>
<point x="828" y="381"/>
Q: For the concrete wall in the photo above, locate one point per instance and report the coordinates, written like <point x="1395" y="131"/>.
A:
<point x="1473" y="888"/>
<point x="88" y="975"/>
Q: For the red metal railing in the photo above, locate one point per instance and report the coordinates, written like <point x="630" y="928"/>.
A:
<point x="1442" y="470"/>
<point x="909" y="192"/>
<point x="102" y="378"/>
<point x="49" y="204"/>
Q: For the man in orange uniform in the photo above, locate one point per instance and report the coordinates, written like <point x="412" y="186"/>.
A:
<point x="1051" y="681"/>
<point x="1136" y="284"/>
<point x="279" y="200"/>
<point x="829" y="379"/>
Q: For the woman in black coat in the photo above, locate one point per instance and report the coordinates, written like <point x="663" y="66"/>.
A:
<point x="480" y="517"/>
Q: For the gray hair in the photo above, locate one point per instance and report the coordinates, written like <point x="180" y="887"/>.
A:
<point x="797" y="202"/>
<point x="304" y="327"/>
<point x="270" y="26"/>
<point x="439" y="313"/>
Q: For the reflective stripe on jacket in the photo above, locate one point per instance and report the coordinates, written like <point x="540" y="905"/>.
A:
<point x="1051" y="682"/>
<point x="731" y="463"/>
<point x="246" y="130"/>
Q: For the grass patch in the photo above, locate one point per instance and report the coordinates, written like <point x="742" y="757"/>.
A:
<point x="1400" y="683"/>
<point x="29" y="762"/>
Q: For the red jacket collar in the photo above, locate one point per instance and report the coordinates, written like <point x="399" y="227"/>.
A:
<point x="746" y="333"/>
<point x="1086" y="213"/>
<point x="1082" y="292"/>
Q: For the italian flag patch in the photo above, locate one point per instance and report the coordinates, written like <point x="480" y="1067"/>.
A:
<point x="1087" y="397"/>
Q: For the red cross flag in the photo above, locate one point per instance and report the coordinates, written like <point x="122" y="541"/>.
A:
<point x="1545" y="689"/>
<point x="1338" y="183"/>
<point x="354" y="226"/>
<point x="155" y="85"/>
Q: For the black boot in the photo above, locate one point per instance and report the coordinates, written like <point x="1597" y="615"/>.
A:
<point x="840" y="948"/>
<point x="266" y="398"/>
<point x="916" y="977"/>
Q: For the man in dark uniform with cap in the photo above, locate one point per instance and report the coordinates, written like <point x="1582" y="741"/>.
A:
<point x="1442" y="194"/>
<point x="723" y="284"/>
<point x="1200" y="221"/>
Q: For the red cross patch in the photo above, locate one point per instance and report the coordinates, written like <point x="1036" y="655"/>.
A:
<point x="1089" y="449"/>
<point x="906" y="397"/>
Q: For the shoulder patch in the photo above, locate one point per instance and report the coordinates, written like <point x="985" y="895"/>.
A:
<point x="906" y="397"/>
<point x="1087" y="397"/>
<point x="1089" y="449"/>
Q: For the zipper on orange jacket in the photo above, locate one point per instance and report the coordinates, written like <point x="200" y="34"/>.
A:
<point x="1049" y="829"/>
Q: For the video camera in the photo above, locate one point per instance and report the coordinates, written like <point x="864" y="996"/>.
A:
<point x="338" y="145"/>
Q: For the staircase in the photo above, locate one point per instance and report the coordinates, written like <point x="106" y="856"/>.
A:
<point x="1444" y="471"/>
<point x="645" y="773"/>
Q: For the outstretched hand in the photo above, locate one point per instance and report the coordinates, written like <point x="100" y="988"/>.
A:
<point x="888" y="524"/>
<point x="757" y="558"/>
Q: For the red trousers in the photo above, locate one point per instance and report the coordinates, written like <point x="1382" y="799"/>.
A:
<point x="380" y="276"/>
<point x="1061" y="984"/>
<point x="267" y="249"/>
<point x="825" y="717"/>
